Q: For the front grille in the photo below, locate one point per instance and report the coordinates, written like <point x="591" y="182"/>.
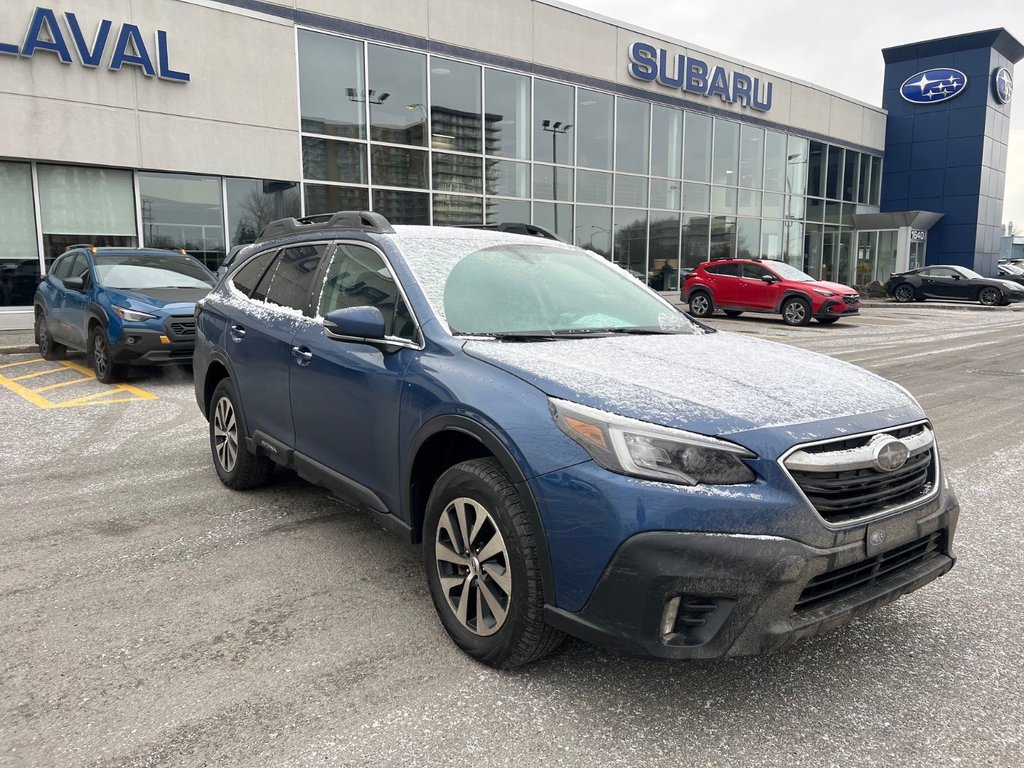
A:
<point x="851" y="300"/>
<point x="843" y="483"/>
<point x="184" y="327"/>
<point x="844" y="581"/>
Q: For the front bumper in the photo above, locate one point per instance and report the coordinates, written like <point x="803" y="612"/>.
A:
<point x="144" y="346"/>
<point x="837" y="308"/>
<point x="688" y="595"/>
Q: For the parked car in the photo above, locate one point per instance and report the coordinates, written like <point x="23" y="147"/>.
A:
<point x="950" y="282"/>
<point x="760" y="285"/>
<point x="575" y="454"/>
<point x="123" y="306"/>
<point x="1012" y="272"/>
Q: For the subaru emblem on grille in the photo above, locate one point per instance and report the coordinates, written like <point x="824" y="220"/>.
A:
<point x="890" y="454"/>
<point x="876" y="538"/>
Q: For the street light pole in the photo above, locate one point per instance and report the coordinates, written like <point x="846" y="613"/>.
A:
<point x="556" y="129"/>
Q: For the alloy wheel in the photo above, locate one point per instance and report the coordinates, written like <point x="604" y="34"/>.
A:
<point x="699" y="304"/>
<point x="795" y="313"/>
<point x="225" y="434"/>
<point x="904" y="293"/>
<point x="100" y="362"/>
<point x="473" y="566"/>
<point x="989" y="297"/>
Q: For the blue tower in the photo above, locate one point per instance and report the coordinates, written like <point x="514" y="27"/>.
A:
<point x="946" y="137"/>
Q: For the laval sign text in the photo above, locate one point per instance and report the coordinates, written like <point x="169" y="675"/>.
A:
<point x="94" y="47"/>
<point x="692" y="75"/>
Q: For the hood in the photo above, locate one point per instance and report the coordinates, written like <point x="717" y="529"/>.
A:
<point x="716" y="384"/>
<point x="173" y="301"/>
<point x="1009" y="284"/>
<point x="834" y="287"/>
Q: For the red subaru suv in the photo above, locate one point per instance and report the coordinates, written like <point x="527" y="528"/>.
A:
<point x="755" y="285"/>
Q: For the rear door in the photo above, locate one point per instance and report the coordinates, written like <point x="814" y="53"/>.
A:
<point x="723" y="279"/>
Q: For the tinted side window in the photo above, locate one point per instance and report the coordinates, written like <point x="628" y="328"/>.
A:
<point x="79" y="266"/>
<point x="752" y="271"/>
<point x="248" y="276"/>
<point x="289" y="281"/>
<point x="733" y="270"/>
<point x="358" y="277"/>
<point x="62" y="267"/>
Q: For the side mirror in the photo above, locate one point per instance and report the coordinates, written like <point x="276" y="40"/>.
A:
<point x="956" y="277"/>
<point x="769" y="279"/>
<point x="364" y="324"/>
<point x="74" y="283"/>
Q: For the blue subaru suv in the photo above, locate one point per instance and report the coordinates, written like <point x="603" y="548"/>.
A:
<point x="574" y="453"/>
<point x="123" y="306"/>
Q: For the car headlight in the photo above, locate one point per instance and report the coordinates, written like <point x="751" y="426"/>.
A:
<point x="639" y="449"/>
<point x="823" y="292"/>
<point x="132" y="315"/>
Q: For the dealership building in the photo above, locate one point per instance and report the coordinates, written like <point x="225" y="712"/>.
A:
<point x="192" y="123"/>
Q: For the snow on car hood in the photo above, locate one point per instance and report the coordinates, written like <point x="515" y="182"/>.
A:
<point x="834" y="287"/>
<point x="716" y="383"/>
<point x="170" y="300"/>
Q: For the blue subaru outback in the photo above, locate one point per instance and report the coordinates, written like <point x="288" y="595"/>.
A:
<point x="123" y="306"/>
<point x="575" y="454"/>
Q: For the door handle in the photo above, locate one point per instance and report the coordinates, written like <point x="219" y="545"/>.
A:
<point x="237" y="332"/>
<point x="302" y="354"/>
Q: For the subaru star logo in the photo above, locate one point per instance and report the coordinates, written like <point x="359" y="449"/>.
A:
<point x="1002" y="83"/>
<point x="890" y="454"/>
<point x="876" y="538"/>
<point x="933" y="86"/>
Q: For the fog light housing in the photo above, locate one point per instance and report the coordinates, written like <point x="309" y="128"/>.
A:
<point x="693" y="620"/>
<point x="131" y="339"/>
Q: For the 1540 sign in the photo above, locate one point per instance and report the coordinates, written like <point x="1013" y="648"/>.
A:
<point x="68" y="41"/>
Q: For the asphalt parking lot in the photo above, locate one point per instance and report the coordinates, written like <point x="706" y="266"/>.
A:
<point x="150" y="617"/>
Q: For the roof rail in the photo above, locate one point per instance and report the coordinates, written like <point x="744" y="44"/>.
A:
<point x="77" y="245"/>
<point x="516" y="228"/>
<point x="364" y="221"/>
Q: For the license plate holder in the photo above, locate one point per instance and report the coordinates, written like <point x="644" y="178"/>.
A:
<point x="886" y="534"/>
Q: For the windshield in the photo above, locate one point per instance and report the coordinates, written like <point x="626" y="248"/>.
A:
<point x="138" y="271"/>
<point x="1013" y="269"/>
<point x="499" y="287"/>
<point x="787" y="272"/>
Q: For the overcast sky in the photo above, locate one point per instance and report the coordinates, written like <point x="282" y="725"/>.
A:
<point x="833" y="44"/>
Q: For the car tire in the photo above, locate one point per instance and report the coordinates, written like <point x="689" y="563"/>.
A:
<point x="483" y="567"/>
<point x="100" y="358"/>
<point x="48" y="348"/>
<point x="990" y="296"/>
<point x="701" y="304"/>
<point x="796" y="311"/>
<point x="733" y="312"/>
<point x="827" y="320"/>
<point x="237" y="467"/>
<point x="904" y="293"/>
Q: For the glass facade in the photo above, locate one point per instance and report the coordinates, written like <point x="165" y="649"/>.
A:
<point x="654" y="188"/>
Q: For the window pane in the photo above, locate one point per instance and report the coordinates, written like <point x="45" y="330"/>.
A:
<point x="75" y="200"/>
<point x="695" y="234"/>
<point x="833" y="212"/>
<point x="291" y="278"/>
<point x="726" y="154"/>
<point x="723" y="200"/>
<point x="697" y="148"/>
<point x="397" y="96"/>
<point x="249" y="276"/>
<point x="594" y="129"/>
<point x="397" y="167"/>
<point x="866" y="256"/>
<point x="696" y="197"/>
<point x="450" y="210"/>
<point x="887" y="254"/>
<point x="748" y="238"/>
<point x="795" y="244"/>
<point x="324" y="199"/>
<point x="775" y="161"/>
<point x="402" y="207"/>
<point x="180" y="211"/>
<point x="593" y="229"/>
<point x="771" y="239"/>
<point x="552" y="183"/>
<point x="331" y="85"/>
<point x="666" y="141"/>
<point x="815" y="209"/>
<point x="505" y="177"/>
<point x="327" y="160"/>
<point x="632" y="136"/>
<point x="666" y="193"/>
<point x="773" y="205"/>
<point x="816" y="169"/>
<point x="723" y="237"/>
<point x="864" y="182"/>
<point x="664" y="251"/>
<point x="796" y="166"/>
<point x="631" y="190"/>
<point x="358" y="277"/>
<point x="19" y="252"/>
<point x="553" y="129"/>
<point x="455" y="106"/>
<point x="748" y="203"/>
<point x="876" y="180"/>
<point x="794" y="207"/>
<point x="812" y="250"/>
<point x="556" y="217"/>
<point x="631" y="242"/>
<point x="850" y="173"/>
<point x="252" y="204"/>
<point x="834" y="165"/>
<point x="456" y="173"/>
<point x="507" y="113"/>
<point x="751" y="157"/>
<point x="502" y="211"/>
<point x="593" y="187"/>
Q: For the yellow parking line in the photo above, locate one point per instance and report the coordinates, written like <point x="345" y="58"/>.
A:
<point x="39" y="373"/>
<point x="48" y="387"/>
<point x="36" y="400"/>
<point x="22" y="362"/>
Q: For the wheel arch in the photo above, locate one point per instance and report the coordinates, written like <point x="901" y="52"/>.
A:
<point x="449" y="440"/>
<point x="794" y="293"/>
